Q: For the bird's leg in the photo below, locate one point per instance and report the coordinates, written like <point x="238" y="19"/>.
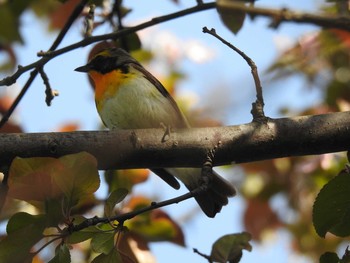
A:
<point x="167" y="131"/>
<point x="207" y="168"/>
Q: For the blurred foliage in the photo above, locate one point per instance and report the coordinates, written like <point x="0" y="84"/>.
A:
<point x="323" y="59"/>
<point x="42" y="206"/>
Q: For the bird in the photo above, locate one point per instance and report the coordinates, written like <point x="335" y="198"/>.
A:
<point x="128" y="96"/>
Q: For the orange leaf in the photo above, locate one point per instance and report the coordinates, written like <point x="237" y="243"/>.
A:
<point x="60" y="15"/>
<point x="30" y="179"/>
<point x="258" y="217"/>
<point x="155" y="225"/>
<point x="68" y="127"/>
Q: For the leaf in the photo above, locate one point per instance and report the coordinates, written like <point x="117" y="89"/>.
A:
<point x="259" y="217"/>
<point x="22" y="220"/>
<point x="62" y="254"/>
<point x="229" y="247"/>
<point x="114" y="198"/>
<point x="9" y="33"/>
<point x="81" y="176"/>
<point x="61" y="13"/>
<point x="103" y="242"/>
<point x="30" y="179"/>
<point x="112" y="257"/>
<point x="10" y="62"/>
<point x="232" y="19"/>
<point x="329" y="257"/>
<point x="130" y="42"/>
<point x="155" y="225"/>
<point x="125" y="178"/>
<point x="331" y="211"/>
<point x="54" y="212"/>
<point x="24" y="231"/>
<point x="133" y="248"/>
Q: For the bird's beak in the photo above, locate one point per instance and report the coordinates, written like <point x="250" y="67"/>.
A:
<point x="85" y="68"/>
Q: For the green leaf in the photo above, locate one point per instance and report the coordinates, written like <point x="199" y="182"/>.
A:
<point x="112" y="257"/>
<point x="331" y="211"/>
<point x="103" y="242"/>
<point x="329" y="257"/>
<point x="9" y="33"/>
<point x="53" y="211"/>
<point x="81" y="177"/>
<point x="229" y="247"/>
<point x="114" y="198"/>
<point x="131" y="42"/>
<point x="62" y="254"/>
<point x="24" y="231"/>
<point x="23" y="220"/>
<point x="232" y="19"/>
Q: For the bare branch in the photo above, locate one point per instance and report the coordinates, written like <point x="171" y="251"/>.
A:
<point x="258" y="105"/>
<point x="285" y="15"/>
<point x="250" y="142"/>
<point x="195" y="250"/>
<point x="50" y="94"/>
<point x="127" y="216"/>
<point x="89" y="21"/>
<point x="40" y="63"/>
<point x="48" y="55"/>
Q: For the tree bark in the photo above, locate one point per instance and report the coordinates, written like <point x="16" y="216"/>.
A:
<point x="305" y="135"/>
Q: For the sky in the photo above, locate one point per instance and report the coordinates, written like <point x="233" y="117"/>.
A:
<point x="230" y="101"/>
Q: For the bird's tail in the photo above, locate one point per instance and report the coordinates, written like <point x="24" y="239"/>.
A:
<point x="212" y="200"/>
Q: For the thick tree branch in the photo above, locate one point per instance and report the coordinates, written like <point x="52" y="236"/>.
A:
<point x="250" y="142"/>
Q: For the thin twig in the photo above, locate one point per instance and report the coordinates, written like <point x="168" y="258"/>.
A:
<point x="12" y="79"/>
<point x="75" y="14"/>
<point x="285" y="15"/>
<point x="50" y="94"/>
<point x="123" y="40"/>
<point x="123" y="217"/>
<point x="48" y="55"/>
<point x="195" y="250"/>
<point x="258" y="106"/>
<point x="19" y="97"/>
<point x="129" y="30"/>
<point x="46" y="244"/>
<point x="89" y="21"/>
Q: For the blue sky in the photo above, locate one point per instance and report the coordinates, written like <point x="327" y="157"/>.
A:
<point x="226" y="70"/>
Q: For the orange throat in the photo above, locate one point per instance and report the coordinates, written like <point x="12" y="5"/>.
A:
<point x="106" y="85"/>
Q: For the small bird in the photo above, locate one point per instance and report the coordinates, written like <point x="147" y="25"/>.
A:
<point x="127" y="96"/>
